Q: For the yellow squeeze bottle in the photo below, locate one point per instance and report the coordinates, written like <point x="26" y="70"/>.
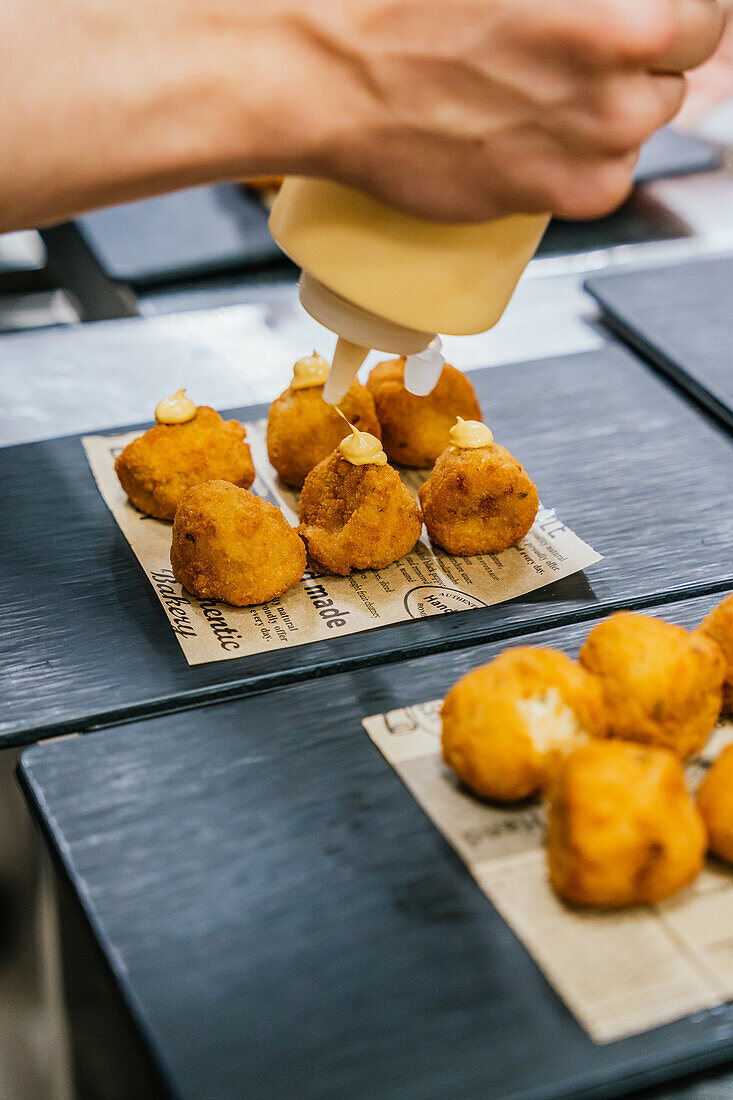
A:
<point x="382" y="279"/>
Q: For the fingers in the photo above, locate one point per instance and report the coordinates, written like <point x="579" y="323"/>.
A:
<point x="545" y="111"/>
<point x="658" y="35"/>
<point x="670" y="90"/>
<point x="611" y="32"/>
<point x="581" y="190"/>
<point x="623" y="112"/>
<point x="699" y="26"/>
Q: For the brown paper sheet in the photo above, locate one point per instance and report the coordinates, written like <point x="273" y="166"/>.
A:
<point x="620" y="973"/>
<point x="425" y="582"/>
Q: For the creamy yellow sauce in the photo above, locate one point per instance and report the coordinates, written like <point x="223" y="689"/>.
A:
<point x="176" y="409"/>
<point x="469" y="435"/>
<point x="309" y="372"/>
<point x="361" y="448"/>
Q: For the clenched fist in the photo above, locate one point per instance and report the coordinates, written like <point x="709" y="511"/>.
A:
<point x="468" y="109"/>
<point x="450" y="109"/>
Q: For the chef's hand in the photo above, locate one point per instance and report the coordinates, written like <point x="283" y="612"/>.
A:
<point x="468" y="109"/>
<point x="451" y="109"/>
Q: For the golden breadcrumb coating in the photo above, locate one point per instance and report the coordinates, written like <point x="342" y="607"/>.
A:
<point x="715" y="803"/>
<point x="478" y="501"/>
<point x="302" y="429"/>
<point x="230" y="545"/>
<point x="622" y="828"/>
<point x="157" y="468"/>
<point x="662" y="685"/>
<point x="505" y="724"/>
<point x="356" y="517"/>
<point x="718" y="625"/>
<point x="415" y="429"/>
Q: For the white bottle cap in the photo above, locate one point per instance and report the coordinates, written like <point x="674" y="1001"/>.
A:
<point x="358" y="329"/>
<point x="423" y="369"/>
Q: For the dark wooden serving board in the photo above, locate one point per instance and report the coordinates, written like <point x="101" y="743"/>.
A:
<point x="284" y="920"/>
<point x="627" y="464"/>
<point x="641" y="218"/>
<point x="201" y="231"/>
<point x="669" y="152"/>
<point x="680" y="317"/>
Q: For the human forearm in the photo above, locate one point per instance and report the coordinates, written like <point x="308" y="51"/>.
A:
<point x="109" y="101"/>
<point x="451" y="109"/>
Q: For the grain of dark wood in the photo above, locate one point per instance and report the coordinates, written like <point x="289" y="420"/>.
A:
<point x="680" y="318"/>
<point x="644" y="478"/>
<point x="283" y="919"/>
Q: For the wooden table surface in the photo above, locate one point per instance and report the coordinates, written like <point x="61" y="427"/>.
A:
<point x="188" y="233"/>
<point x="282" y="919"/>
<point x="680" y="318"/>
<point x="628" y="465"/>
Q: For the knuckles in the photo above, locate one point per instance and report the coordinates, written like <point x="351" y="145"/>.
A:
<point x="640" y="31"/>
<point x="628" y="115"/>
<point x="585" y="192"/>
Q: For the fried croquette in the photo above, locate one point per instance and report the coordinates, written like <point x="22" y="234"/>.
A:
<point x="622" y="828"/>
<point x="506" y="723"/>
<point x="356" y="517"/>
<point x="478" y="501"/>
<point x="415" y="430"/>
<point x="715" y="803"/>
<point x="230" y="545"/>
<point x="302" y="429"/>
<point x="718" y="625"/>
<point x="661" y="684"/>
<point x="157" y="468"/>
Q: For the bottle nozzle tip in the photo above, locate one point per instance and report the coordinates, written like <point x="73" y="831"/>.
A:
<point x="346" y="361"/>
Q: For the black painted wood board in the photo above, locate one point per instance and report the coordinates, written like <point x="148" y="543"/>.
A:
<point x="189" y="233"/>
<point x="679" y="317"/>
<point x="669" y="152"/>
<point x="73" y="265"/>
<point x="641" y="219"/>
<point x="627" y="464"/>
<point x="282" y="919"/>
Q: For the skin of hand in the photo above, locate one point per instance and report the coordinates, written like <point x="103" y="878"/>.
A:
<point x="455" y="110"/>
<point x="712" y="83"/>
